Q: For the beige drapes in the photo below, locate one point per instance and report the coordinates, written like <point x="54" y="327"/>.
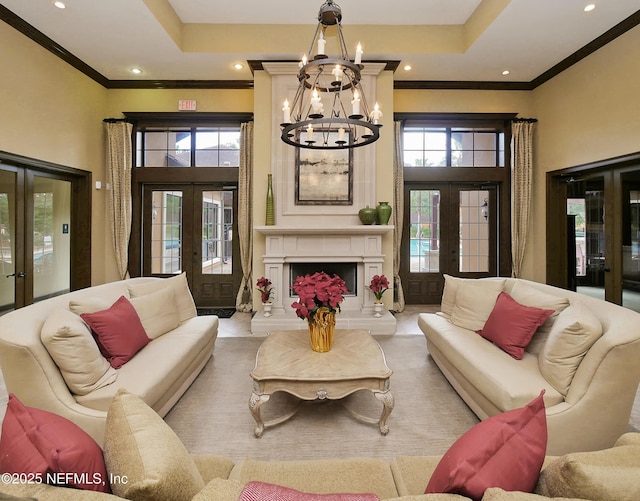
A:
<point x="244" y="301"/>
<point x="398" y="214"/>
<point x="119" y="176"/>
<point x="521" y="180"/>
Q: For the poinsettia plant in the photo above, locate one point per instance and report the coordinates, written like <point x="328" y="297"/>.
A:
<point x="379" y="285"/>
<point x="317" y="291"/>
<point x="264" y="286"/>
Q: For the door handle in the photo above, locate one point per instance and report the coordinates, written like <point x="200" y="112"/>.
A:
<point x="20" y="274"/>
<point x="606" y="268"/>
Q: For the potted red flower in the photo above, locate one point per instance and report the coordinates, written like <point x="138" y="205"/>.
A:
<point x="264" y="286"/>
<point x="319" y="298"/>
<point x="379" y="285"/>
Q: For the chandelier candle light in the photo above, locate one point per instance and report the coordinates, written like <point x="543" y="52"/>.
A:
<point x="318" y="110"/>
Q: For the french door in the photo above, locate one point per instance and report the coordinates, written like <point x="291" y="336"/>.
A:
<point x="190" y="228"/>
<point x="449" y="228"/>
<point x="44" y="231"/>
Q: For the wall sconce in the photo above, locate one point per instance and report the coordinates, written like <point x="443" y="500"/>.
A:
<point x="484" y="209"/>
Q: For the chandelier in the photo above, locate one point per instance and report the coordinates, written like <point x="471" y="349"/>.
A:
<point x="329" y="110"/>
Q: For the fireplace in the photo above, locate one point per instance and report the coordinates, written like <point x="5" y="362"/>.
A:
<point x="352" y="252"/>
<point x="346" y="271"/>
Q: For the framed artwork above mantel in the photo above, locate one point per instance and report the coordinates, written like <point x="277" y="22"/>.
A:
<point x="324" y="177"/>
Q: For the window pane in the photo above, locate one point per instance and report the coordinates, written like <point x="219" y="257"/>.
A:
<point x="484" y="158"/>
<point x="166" y="232"/>
<point x="435" y="158"/>
<point x="217" y="235"/>
<point x="424" y="254"/>
<point x="218" y="148"/>
<point x="474" y="231"/>
<point x="51" y="243"/>
<point x="413" y="140"/>
<point x="413" y="158"/>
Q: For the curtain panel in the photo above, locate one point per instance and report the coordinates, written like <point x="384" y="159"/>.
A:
<point x="398" y="215"/>
<point x="244" y="300"/>
<point x="521" y="180"/>
<point x="119" y="158"/>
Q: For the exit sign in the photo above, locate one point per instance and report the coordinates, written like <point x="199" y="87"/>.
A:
<point x="187" y="105"/>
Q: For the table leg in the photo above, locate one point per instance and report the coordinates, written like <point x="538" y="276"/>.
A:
<point x="386" y="397"/>
<point x="255" y="401"/>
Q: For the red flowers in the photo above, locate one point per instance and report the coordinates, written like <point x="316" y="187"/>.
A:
<point x="318" y="290"/>
<point x="264" y="286"/>
<point x="379" y="284"/>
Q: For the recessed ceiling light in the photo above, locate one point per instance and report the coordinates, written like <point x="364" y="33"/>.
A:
<point x="506" y="72"/>
<point x="137" y="71"/>
<point x="407" y="67"/>
<point x="590" y="7"/>
<point x="59" y="4"/>
<point x="238" y="66"/>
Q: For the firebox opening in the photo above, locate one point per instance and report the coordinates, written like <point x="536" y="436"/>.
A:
<point x="346" y="271"/>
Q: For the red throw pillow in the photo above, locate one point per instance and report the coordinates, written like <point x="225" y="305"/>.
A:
<point x="118" y="331"/>
<point x="506" y="451"/>
<point x="511" y="325"/>
<point x="47" y="448"/>
<point x="263" y="491"/>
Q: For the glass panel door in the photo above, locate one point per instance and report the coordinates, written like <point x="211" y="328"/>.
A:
<point x="448" y="229"/>
<point x="8" y="230"/>
<point x="51" y="237"/>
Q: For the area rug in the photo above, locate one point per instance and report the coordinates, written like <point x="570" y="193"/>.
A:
<point x="213" y="416"/>
<point x="220" y="312"/>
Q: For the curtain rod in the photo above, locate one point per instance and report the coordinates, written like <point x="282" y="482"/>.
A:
<point x="114" y="120"/>
<point x="528" y="120"/>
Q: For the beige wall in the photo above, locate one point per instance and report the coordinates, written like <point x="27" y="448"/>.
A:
<point x="587" y="113"/>
<point x="52" y="112"/>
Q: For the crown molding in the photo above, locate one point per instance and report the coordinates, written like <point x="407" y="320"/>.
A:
<point x="37" y="36"/>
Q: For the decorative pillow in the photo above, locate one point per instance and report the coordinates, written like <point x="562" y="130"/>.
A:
<point x="50" y="448"/>
<point x="118" y="332"/>
<point x="89" y="305"/>
<point x="140" y="446"/>
<point x="451" y="289"/>
<point x="158" y="311"/>
<point x="607" y="475"/>
<point x="573" y="333"/>
<point x="474" y="302"/>
<point x="262" y="491"/>
<point x="506" y="451"/>
<point x="183" y="297"/>
<point x="530" y="296"/>
<point x="512" y="325"/>
<point x="496" y="494"/>
<point x="69" y="342"/>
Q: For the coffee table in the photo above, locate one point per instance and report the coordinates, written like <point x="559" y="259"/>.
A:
<point x="286" y="362"/>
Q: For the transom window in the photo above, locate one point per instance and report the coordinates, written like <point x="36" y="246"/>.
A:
<point x="453" y="147"/>
<point x="188" y="147"/>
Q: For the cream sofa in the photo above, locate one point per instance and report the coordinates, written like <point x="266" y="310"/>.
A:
<point x="146" y="461"/>
<point x="160" y="373"/>
<point x="589" y="393"/>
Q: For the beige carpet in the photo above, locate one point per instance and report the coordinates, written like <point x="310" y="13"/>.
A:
<point x="213" y="416"/>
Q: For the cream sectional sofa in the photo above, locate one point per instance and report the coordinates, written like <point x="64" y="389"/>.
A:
<point x="159" y="373"/>
<point x="146" y="461"/>
<point x="585" y="357"/>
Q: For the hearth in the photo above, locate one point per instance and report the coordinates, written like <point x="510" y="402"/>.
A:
<point x="346" y="271"/>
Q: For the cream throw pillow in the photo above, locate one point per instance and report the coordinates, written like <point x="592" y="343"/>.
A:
<point x="474" y="303"/>
<point x="184" y="299"/>
<point x="72" y="347"/>
<point x="573" y="333"/>
<point x="497" y="494"/>
<point x="89" y="305"/>
<point x="140" y="446"/>
<point x="607" y="475"/>
<point x="530" y="296"/>
<point x="451" y="289"/>
<point x="158" y="311"/>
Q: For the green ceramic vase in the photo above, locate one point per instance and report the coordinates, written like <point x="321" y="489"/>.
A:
<point x="383" y="212"/>
<point x="368" y="215"/>
<point x="270" y="218"/>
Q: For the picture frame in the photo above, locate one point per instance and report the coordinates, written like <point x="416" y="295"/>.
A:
<point x="324" y="177"/>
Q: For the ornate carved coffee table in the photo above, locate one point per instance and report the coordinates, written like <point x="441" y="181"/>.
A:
<point x="286" y="362"/>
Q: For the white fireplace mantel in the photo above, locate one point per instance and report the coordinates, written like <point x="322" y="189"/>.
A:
<point x="372" y="229"/>
<point x="288" y="244"/>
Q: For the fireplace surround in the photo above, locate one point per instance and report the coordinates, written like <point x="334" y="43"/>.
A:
<point x="359" y="245"/>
